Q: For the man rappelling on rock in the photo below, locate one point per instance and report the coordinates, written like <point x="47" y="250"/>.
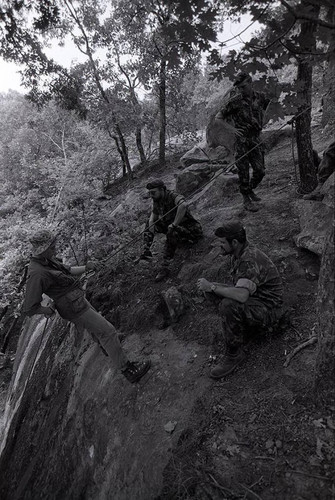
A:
<point x="47" y="275"/>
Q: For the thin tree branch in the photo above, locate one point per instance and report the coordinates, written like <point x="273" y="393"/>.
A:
<point x="305" y="17"/>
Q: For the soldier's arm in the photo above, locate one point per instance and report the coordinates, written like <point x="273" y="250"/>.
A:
<point x="238" y="293"/>
<point x="152" y="219"/>
<point x="231" y="292"/>
<point x="181" y="209"/>
<point x="232" y="107"/>
<point x="35" y="287"/>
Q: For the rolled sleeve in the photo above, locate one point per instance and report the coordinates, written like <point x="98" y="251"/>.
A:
<point x="248" y="284"/>
<point x="179" y="199"/>
<point x="247" y="276"/>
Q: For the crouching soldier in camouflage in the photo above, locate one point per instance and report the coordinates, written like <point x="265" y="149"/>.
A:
<point x="46" y="274"/>
<point x="171" y="216"/>
<point x="254" y="299"/>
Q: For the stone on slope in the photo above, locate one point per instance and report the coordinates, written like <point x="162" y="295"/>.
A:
<point x="202" y="153"/>
<point x="315" y="219"/>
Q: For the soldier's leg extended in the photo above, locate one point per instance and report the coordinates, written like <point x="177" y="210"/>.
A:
<point x="256" y="159"/>
<point x="177" y="236"/>
<point x="242" y="165"/>
<point x="181" y="235"/>
<point x="237" y="318"/>
<point x="149" y="235"/>
<point x="105" y="334"/>
<point x="107" y="337"/>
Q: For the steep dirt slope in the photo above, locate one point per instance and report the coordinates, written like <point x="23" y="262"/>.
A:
<point x="82" y="432"/>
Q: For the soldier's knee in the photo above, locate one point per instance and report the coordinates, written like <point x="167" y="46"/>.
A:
<point x="172" y="236"/>
<point x="229" y="306"/>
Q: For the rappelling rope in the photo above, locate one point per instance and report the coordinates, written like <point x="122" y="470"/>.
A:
<point x="89" y="274"/>
<point x="226" y="169"/>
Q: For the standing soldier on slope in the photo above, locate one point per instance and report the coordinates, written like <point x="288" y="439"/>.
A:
<point x="245" y="109"/>
<point x="46" y="274"/>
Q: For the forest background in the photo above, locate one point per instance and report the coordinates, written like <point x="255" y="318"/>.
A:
<point x="78" y="131"/>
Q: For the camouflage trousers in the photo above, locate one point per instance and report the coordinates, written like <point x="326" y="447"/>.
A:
<point x="184" y="234"/>
<point x="239" y="320"/>
<point x="253" y="159"/>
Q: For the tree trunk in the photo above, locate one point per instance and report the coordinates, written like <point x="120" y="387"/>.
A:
<point x="162" y="112"/>
<point x="328" y="111"/>
<point x="140" y="146"/>
<point x="307" y="42"/>
<point x="119" y="150"/>
<point x="124" y="150"/>
<point x="138" y="133"/>
<point x="325" y="363"/>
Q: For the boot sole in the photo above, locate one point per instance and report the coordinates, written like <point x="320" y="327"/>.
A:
<point x="147" y="368"/>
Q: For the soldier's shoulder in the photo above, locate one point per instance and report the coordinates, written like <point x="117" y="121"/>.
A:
<point x="175" y="195"/>
<point x="234" y="95"/>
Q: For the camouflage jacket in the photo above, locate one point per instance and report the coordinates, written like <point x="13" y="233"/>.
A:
<point x="246" y="113"/>
<point x="253" y="270"/>
<point x="51" y="277"/>
<point x="168" y="205"/>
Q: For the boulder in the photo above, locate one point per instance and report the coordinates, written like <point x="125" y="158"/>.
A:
<point x="272" y="137"/>
<point x="328" y="191"/>
<point x="220" y="133"/>
<point x="174" y="302"/>
<point x="202" y="153"/>
<point x="315" y="219"/>
<point x="193" y="177"/>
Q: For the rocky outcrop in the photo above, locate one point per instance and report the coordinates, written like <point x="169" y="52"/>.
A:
<point x="315" y="218"/>
<point x="202" y="153"/>
<point x="195" y="176"/>
<point x="74" y="428"/>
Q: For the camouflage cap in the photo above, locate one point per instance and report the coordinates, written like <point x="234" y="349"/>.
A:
<point x="229" y="229"/>
<point x="155" y="183"/>
<point x="41" y="241"/>
<point x="241" y="78"/>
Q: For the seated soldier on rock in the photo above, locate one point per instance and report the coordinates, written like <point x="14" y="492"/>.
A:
<point x="171" y="216"/>
<point x="46" y="274"/>
<point x="325" y="169"/>
<point x="252" y="302"/>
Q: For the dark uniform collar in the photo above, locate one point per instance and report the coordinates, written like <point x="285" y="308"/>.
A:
<point x="243" y="249"/>
<point x="43" y="261"/>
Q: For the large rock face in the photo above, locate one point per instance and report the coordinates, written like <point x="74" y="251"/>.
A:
<point x="76" y="429"/>
<point x="315" y="218"/>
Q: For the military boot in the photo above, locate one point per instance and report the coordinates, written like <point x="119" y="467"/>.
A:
<point x="231" y="360"/>
<point x="146" y="254"/>
<point x="249" y="204"/>
<point x="134" y="370"/>
<point x="315" y="195"/>
<point x="253" y="196"/>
